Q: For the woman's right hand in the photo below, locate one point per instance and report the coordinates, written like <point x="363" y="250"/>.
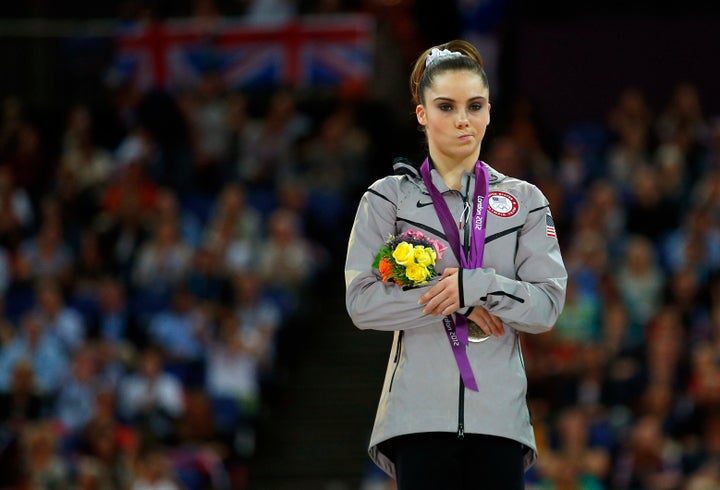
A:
<point x="488" y="323"/>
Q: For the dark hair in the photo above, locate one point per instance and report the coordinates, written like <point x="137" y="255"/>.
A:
<point x="423" y="77"/>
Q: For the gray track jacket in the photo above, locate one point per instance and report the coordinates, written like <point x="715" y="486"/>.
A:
<point x="522" y="281"/>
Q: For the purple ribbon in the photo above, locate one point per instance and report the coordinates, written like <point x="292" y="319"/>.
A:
<point x="457" y="329"/>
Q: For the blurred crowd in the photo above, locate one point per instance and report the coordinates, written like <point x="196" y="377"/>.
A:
<point x="151" y="274"/>
<point x="625" y="391"/>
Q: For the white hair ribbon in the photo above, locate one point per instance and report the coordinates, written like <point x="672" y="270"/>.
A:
<point x="437" y="54"/>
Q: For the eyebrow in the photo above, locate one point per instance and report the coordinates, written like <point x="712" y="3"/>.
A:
<point x="450" y="99"/>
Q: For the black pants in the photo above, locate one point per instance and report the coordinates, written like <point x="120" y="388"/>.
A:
<point x="442" y="461"/>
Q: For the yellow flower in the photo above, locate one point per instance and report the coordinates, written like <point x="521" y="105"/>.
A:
<point x="417" y="273"/>
<point x="424" y="256"/>
<point x="403" y="253"/>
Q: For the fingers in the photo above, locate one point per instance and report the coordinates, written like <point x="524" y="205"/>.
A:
<point x="439" y="300"/>
<point x="441" y="305"/>
<point x="443" y="297"/>
<point x="488" y="323"/>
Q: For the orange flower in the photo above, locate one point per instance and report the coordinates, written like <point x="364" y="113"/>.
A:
<point x="385" y="268"/>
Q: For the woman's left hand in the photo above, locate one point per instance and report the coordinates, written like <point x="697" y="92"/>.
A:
<point x="444" y="297"/>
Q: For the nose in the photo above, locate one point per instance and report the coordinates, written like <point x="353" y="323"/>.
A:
<point x="462" y="119"/>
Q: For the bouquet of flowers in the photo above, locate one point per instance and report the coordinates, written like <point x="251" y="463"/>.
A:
<point x="409" y="258"/>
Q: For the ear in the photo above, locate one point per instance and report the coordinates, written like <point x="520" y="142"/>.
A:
<point x="421" y="116"/>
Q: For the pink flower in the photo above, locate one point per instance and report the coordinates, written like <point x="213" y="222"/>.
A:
<point x="414" y="234"/>
<point x="439" y="247"/>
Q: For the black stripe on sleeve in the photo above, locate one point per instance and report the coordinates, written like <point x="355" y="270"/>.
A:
<point x="502" y="233"/>
<point x="503" y="293"/>
<point x="372" y="191"/>
<point x="539" y="209"/>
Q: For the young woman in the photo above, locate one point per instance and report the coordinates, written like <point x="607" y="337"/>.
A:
<point x="452" y="412"/>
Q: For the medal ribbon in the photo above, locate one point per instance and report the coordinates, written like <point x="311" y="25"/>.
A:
<point x="457" y="329"/>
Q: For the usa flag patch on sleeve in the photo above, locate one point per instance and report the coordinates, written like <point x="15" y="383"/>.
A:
<point x="550" y="226"/>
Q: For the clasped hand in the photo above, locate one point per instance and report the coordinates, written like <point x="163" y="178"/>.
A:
<point x="444" y="298"/>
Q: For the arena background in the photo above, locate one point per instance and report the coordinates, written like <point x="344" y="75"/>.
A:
<point x="560" y="65"/>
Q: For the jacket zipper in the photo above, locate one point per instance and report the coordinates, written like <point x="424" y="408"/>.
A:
<point x="461" y="411"/>
<point x="396" y="360"/>
<point x="466" y="246"/>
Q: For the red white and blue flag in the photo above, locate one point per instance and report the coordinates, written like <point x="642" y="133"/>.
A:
<point x="550" y="226"/>
<point x="309" y="51"/>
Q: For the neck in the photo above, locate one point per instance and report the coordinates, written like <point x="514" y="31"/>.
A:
<point x="451" y="171"/>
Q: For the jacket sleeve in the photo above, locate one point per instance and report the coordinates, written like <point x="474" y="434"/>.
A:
<point x="533" y="300"/>
<point x="371" y="303"/>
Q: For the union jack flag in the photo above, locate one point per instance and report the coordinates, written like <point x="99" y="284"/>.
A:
<point x="550" y="226"/>
<point x="309" y="51"/>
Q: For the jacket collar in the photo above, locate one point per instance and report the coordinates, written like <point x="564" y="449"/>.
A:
<point x="405" y="166"/>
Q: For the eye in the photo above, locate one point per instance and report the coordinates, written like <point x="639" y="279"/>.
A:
<point x="477" y="106"/>
<point x="445" y="107"/>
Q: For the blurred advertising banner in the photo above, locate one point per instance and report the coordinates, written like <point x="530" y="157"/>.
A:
<point x="307" y="51"/>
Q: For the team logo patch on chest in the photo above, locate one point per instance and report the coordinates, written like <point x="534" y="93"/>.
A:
<point x="502" y="204"/>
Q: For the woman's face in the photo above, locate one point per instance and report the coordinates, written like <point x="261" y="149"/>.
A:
<point x="455" y="115"/>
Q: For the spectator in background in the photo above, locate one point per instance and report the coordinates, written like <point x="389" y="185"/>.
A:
<point x="42" y="459"/>
<point x="16" y="210"/>
<point x="169" y="208"/>
<point x="683" y="117"/>
<point x="22" y="149"/>
<point x="649" y="212"/>
<point x="205" y="109"/>
<point x="114" y="321"/>
<point x="163" y="262"/>
<point x="208" y="278"/>
<point x="5" y="271"/>
<point x="75" y="403"/>
<point x="334" y="160"/>
<point x="59" y="319"/>
<point x="673" y="173"/>
<point x="631" y="109"/>
<point x="151" y="399"/>
<point x="333" y="164"/>
<point x="153" y="470"/>
<point x="89" y="270"/>
<point x="181" y="330"/>
<point x="233" y="252"/>
<point x="649" y="458"/>
<point x="241" y="127"/>
<point x="46" y="255"/>
<point x="628" y="153"/>
<point x="233" y="375"/>
<point x="270" y="156"/>
<point x="131" y="186"/>
<point x="85" y="167"/>
<point x="140" y="145"/>
<point x="122" y="234"/>
<point x="107" y="447"/>
<point x="287" y="260"/>
<point x="640" y="281"/>
<point x="606" y="209"/>
<point x="574" y="461"/>
<point x="695" y="244"/>
<point x="44" y="351"/>
<point x="232" y="206"/>
<point x="260" y="317"/>
<point x="22" y="402"/>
